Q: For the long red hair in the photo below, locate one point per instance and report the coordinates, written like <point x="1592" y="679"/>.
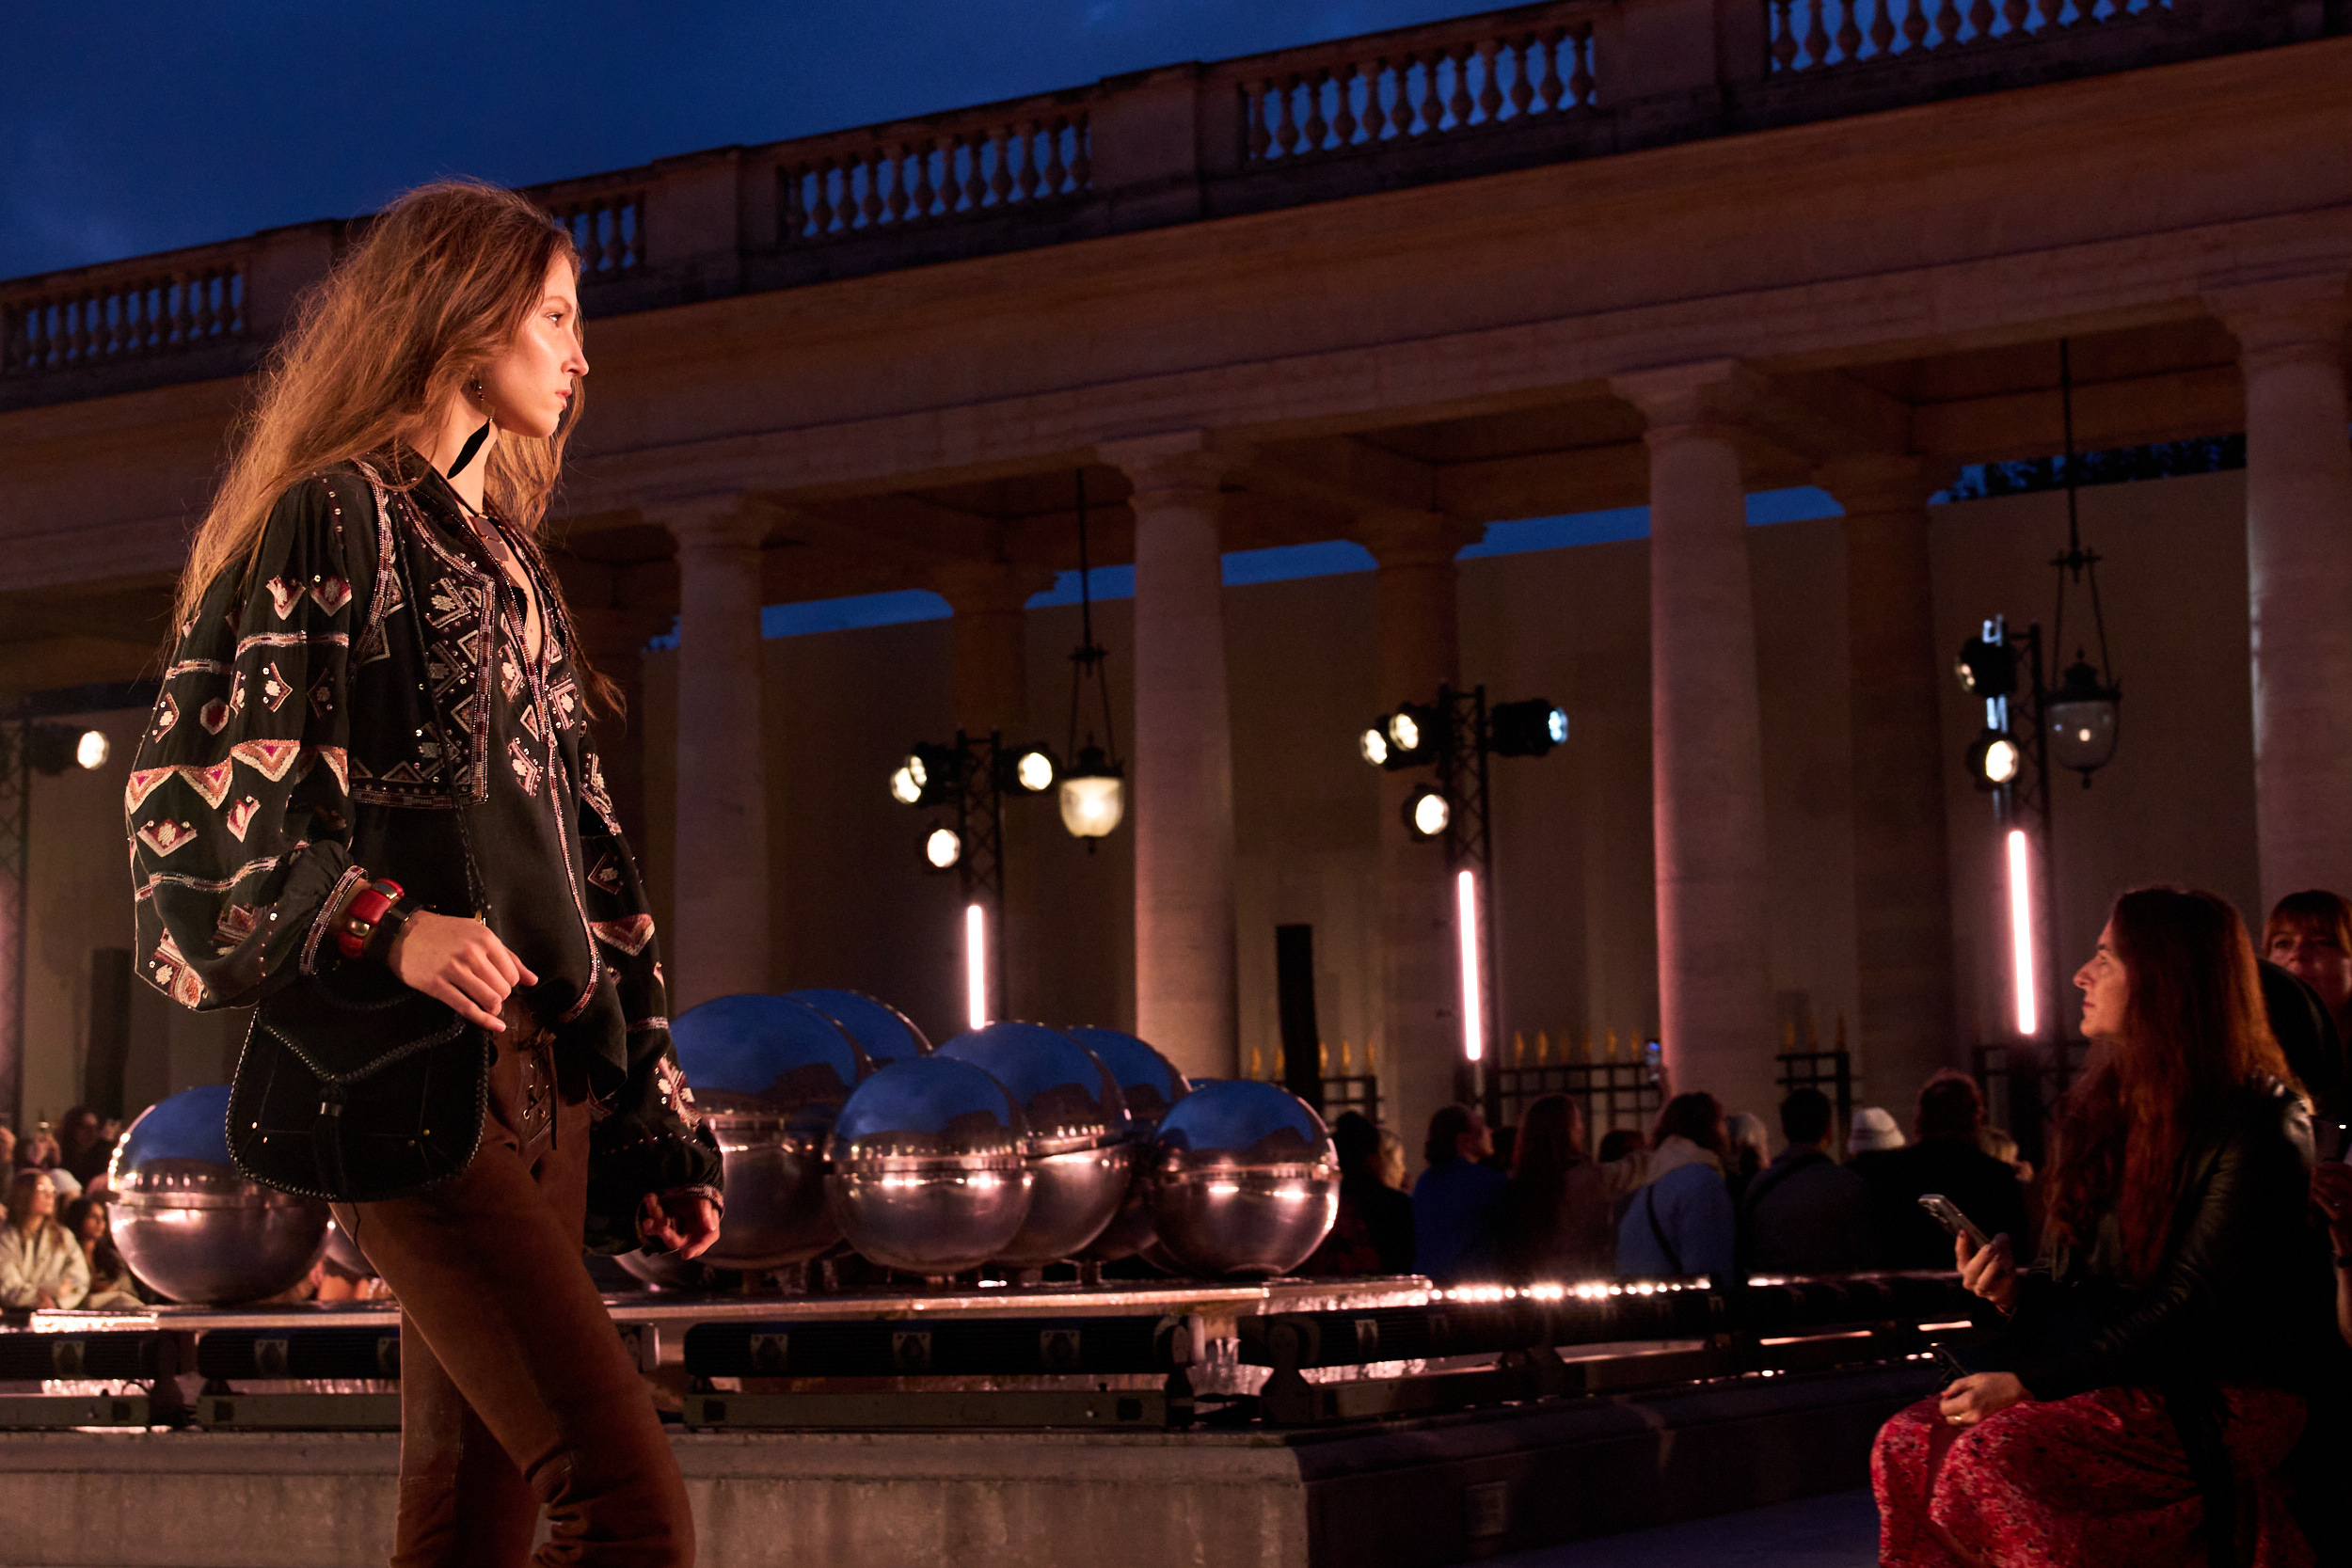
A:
<point x="2194" y="1031"/>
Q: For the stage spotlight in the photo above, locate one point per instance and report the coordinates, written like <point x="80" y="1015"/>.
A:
<point x="1427" y="812"/>
<point x="1987" y="667"/>
<point x="1373" y="744"/>
<point x="943" y="849"/>
<point x="1529" y="728"/>
<point x="1993" y="760"/>
<point x="1033" y="770"/>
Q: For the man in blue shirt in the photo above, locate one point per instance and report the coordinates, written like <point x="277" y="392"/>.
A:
<point x="1454" y="1202"/>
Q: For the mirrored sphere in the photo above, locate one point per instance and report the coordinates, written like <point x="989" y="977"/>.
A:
<point x="189" y="1224"/>
<point x="769" y="1075"/>
<point x="1242" y="1180"/>
<point x="1150" y="1083"/>
<point x="1078" y="1147"/>
<point x="345" y="1254"/>
<point x="927" y="1175"/>
<point x="881" y="1031"/>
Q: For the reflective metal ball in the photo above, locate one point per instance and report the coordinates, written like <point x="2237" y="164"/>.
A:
<point x="1150" y="1083"/>
<point x="1078" y="1145"/>
<point x="1242" y="1180"/>
<point x="345" y="1254"/>
<point x="881" y="1031"/>
<point x="193" y="1228"/>
<point x="769" y="1074"/>
<point x="927" y="1175"/>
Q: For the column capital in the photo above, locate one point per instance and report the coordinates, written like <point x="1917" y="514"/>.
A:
<point x="721" y="522"/>
<point x="1175" y="461"/>
<point x="1704" y="397"/>
<point x="2282" y="320"/>
<point x="1868" y="484"/>
<point x="1400" y="537"/>
<point x="989" y="587"/>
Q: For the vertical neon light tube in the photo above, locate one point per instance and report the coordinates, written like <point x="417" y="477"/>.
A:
<point x="976" y="964"/>
<point x="2021" y="935"/>
<point x="1474" y="1004"/>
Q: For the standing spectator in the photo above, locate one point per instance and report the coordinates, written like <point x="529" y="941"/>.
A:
<point x="1873" y="1132"/>
<point x="1454" y="1201"/>
<point x="40" y="1263"/>
<point x="1748" y="1149"/>
<point x="84" y="1145"/>
<point x="1556" y="1216"/>
<point x="1618" y="1142"/>
<point x="111" y="1284"/>
<point x="1392" y="1160"/>
<point x="1806" y="1213"/>
<point x="40" y="1153"/>
<point x="1949" y="1159"/>
<point x="1680" y="1224"/>
<point x="1374" y="1233"/>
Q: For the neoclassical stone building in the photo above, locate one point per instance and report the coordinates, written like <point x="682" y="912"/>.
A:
<point x="1392" y="290"/>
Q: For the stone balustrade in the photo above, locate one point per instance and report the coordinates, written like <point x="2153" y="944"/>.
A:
<point x="1477" y="95"/>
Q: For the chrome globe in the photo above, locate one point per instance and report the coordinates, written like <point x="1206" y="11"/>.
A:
<point x="769" y="1075"/>
<point x="189" y="1223"/>
<point x="1078" y="1145"/>
<point x="1242" y="1180"/>
<point x="881" y="1031"/>
<point x="344" y="1253"/>
<point x="1150" y="1083"/>
<point x="927" y="1174"/>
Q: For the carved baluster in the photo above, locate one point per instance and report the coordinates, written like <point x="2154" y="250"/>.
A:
<point x="867" y="164"/>
<point x="1057" y="167"/>
<point x="974" y="171"/>
<point x="833" y="185"/>
<point x="2014" y="12"/>
<point x="150" y="301"/>
<point x="1783" y="36"/>
<point x="1285" y="125"/>
<point x="206" y="321"/>
<point x="1882" y="27"/>
<point x="1849" y="37"/>
<point x="1459" y="104"/>
<point x="894" y="198"/>
<point x="1082" y="153"/>
<point x="1029" y="170"/>
<point x="1539" y="66"/>
<point x="1525" y="56"/>
<point x="1915" y="24"/>
<point x="1581" y="78"/>
<point x="1344" y="120"/>
<point x="1401" y="112"/>
<point x="1946" y="23"/>
<point x="1314" y="128"/>
<point x="1491" y="82"/>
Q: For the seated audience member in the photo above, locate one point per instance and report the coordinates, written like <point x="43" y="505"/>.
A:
<point x="1873" y="1132"/>
<point x="1555" y="1219"/>
<point x="40" y="1263"/>
<point x="1392" y="1160"/>
<point x="1947" y="1159"/>
<point x="1806" y="1213"/>
<point x="2149" y="1371"/>
<point x="1749" y="1148"/>
<point x="1454" y="1200"/>
<point x="1680" y="1223"/>
<point x="2309" y="934"/>
<point x="1997" y="1142"/>
<point x="111" y="1284"/>
<point x="40" y="1153"/>
<point x="1618" y="1142"/>
<point x="1374" y="1233"/>
<point x="84" y="1145"/>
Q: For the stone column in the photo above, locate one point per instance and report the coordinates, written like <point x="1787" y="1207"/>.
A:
<point x="1187" y="1002"/>
<point x="1714" y="980"/>
<point x="1421" y="1008"/>
<point x="2298" y="561"/>
<point x="1902" y="885"/>
<point x="722" y="879"/>
<point x="990" y="678"/>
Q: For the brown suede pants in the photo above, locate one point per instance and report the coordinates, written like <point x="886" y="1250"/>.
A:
<point x="516" y="1393"/>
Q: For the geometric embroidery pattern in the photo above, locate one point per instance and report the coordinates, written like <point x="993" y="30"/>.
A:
<point x="166" y="715"/>
<point x="626" y="936"/>
<point x="211" y="782"/>
<point x="274" y="688"/>
<point x="240" y="816"/>
<point x="269" y="758"/>
<point x="216" y="715"/>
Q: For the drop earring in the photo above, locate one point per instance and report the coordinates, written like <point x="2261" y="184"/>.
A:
<point x="473" y="442"/>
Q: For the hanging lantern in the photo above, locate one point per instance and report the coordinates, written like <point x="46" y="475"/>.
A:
<point x="1094" y="787"/>
<point x="2079" y="715"/>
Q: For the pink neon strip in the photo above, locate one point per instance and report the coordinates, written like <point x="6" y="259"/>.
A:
<point x="1466" y="923"/>
<point x="2021" y="935"/>
<point x="976" y="964"/>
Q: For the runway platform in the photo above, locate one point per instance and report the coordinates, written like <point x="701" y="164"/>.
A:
<point x="1285" y="1425"/>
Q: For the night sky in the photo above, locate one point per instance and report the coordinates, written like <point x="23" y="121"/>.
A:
<point x="134" y="127"/>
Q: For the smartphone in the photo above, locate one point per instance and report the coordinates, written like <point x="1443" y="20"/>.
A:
<point x="1947" y="1214"/>
<point x="1950" y="1364"/>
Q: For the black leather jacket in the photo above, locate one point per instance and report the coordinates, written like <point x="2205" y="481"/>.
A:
<point x="2245" y="1292"/>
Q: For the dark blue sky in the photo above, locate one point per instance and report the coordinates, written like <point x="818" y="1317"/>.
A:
<point x="129" y="126"/>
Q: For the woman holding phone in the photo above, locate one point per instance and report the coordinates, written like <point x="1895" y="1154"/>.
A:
<point x="2151" y="1368"/>
<point x="369" y="759"/>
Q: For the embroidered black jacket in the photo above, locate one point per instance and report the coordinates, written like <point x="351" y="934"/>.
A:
<point x="331" y="714"/>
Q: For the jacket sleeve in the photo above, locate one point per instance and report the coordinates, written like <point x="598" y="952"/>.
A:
<point x="237" y="808"/>
<point x="2208" y="1281"/>
<point x="16" y="1269"/>
<point x="73" y="1288"/>
<point x="650" y="1139"/>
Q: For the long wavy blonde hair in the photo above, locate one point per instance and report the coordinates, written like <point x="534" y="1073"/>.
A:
<point x="435" y="289"/>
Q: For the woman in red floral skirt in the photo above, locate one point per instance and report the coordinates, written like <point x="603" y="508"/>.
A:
<point x="2152" y="1369"/>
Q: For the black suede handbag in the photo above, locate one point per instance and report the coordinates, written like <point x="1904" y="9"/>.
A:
<point x="354" y="1088"/>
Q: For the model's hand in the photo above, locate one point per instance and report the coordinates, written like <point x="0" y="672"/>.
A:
<point x="685" y="1221"/>
<point x="461" y="962"/>
<point x="44" y="1301"/>
<point x="2331" y="1189"/>
<point x="1980" y="1394"/>
<point x="1988" y="1271"/>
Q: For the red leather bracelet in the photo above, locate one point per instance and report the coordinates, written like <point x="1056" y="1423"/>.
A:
<point x="359" y="917"/>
